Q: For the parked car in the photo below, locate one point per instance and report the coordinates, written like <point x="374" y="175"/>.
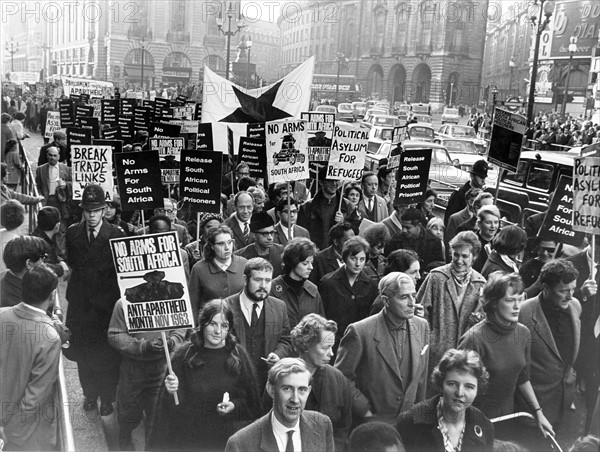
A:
<point x="466" y="153"/>
<point x="450" y="115"/>
<point x="420" y="131"/>
<point x="466" y="132"/>
<point x="360" y="108"/>
<point x="345" y="112"/>
<point x="327" y="109"/>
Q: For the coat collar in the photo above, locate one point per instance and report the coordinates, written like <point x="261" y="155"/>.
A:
<point x="310" y="437"/>
<point x="308" y="287"/>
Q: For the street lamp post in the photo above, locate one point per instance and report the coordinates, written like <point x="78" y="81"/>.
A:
<point x="14" y="48"/>
<point x="546" y="8"/>
<point x="340" y="57"/>
<point x="572" y="50"/>
<point x="512" y="66"/>
<point x="143" y="44"/>
<point x="230" y="15"/>
<point x="249" y="45"/>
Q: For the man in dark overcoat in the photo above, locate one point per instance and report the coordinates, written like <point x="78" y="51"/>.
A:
<point x="92" y="293"/>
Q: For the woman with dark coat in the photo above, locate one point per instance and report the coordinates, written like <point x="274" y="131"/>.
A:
<point x="354" y="194"/>
<point x="506" y="246"/>
<point x="448" y="422"/>
<point x="216" y="385"/>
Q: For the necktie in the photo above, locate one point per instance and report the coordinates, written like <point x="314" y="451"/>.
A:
<point x="289" y="447"/>
<point x="92" y="235"/>
<point x="246" y="231"/>
<point x="254" y="322"/>
<point x="371" y="205"/>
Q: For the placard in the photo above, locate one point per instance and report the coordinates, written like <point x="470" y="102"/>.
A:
<point x="126" y="127"/>
<point x="348" y="150"/>
<point x="78" y="135"/>
<point x="138" y="176"/>
<point x="91" y="165"/>
<point x="110" y="111"/>
<point x="198" y="111"/>
<point x="111" y="133"/>
<point x="185" y="112"/>
<point x="252" y="151"/>
<point x="52" y="124"/>
<point x="128" y="107"/>
<point x="169" y="151"/>
<point x="116" y="146"/>
<point x="507" y="139"/>
<point x="161" y="129"/>
<point x="558" y="222"/>
<point x="152" y="282"/>
<point x="142" y="117"/>
<point x="204" y="140"/>
<point x="287" y="155"/>
<point x="89" y="122"/>
<point x="320" y="130"/>
<point x="200" y="183"/>
<point x="586" y="194"/>
<point x="413" y="176"/>
<point x="18" y="78"/>
<point x="85" y="86"/>
<point x="66" y="107"/>
<point x="256" y="130"/>
<point x="84" y="110"/>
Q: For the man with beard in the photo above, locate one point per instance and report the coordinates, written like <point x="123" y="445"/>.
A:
<point x="261" y="321"/>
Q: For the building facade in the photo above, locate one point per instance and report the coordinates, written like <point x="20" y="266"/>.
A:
<point x="427" y="51"/>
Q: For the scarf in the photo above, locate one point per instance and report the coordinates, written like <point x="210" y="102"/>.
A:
<point x="508" y="261"/>
<point x="461" y="277"/>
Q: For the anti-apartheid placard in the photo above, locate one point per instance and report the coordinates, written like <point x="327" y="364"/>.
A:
<point x="139" y="180"/>
<point x="66" y="107"/>
<point x="116" y="146"/>
<point x="287" y="155"/>
<point x="110" y="111"/>
<point x="252" y="152"/>
<point x="91" y="165"/>
<point x="84" y="110"/>
<point x="347" y="157"/>
<point x="586" y="194"/>
<point x="128" y="107"/>
<point x="152" y="282"/>
<point x="169" y="151"/>
<point x="184" y="112"/>
<point x="204" y="140"/>
<point x="160" y="129"/>
<point x="320" y="130"/>
<point x="412" y="176"/>
<point x="256" y="130"/>
<point x="558" y="222"/>
<point x="52" y="123"/>
<point x="508" y="135"/>
<point x="78" y="135"/>
<point x="201" y="180"/>
<point x="89" y="122"/>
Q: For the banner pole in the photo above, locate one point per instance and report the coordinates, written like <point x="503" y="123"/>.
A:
<point x="593" y="250"/>
<point x="341" y="196"/>
<point x="168" y="357"/>
<point x="143" y="222"/>
<point x="198" y="231"/>
<point x="500" y="173"/>
<point x="289" y="199"/>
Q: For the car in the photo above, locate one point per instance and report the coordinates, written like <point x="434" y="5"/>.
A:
<point x="327" y="109"/>
<point x="402" y="111"/>
<point x="384" y="120"/>
<point x="360" y="108"/>
<point x="466" y="154"/>
<point x="384" y="106"/>
<point x="370" y="112"/>
<point x="420" y="131"/>
<point x="450" y="115"/>
<point x="288" y="152"/>
<point x="345" y="112"/>
<point x="444" y="176"/>
<point x="422" y="118"/>
<point x="467" y="132"/>
<point x="378" y="135"/>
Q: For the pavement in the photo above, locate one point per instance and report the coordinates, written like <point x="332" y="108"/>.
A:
<point x="93" y="432"/>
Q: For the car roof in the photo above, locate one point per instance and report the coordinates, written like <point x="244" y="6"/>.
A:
<point x="325" y="107"/>
<point x="384" y="116"/>
<point x="417" y="144"/>
<point x="560" y="157"/>
<point x="420" y="124"/>
<point x="466" y="140"/>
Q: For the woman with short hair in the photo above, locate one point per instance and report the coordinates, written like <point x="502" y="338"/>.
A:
<point x="427" y="206"/>
<point x="300" y="295"/>
<point x="377" y="236"/>
<point x="506" y="246"/>
<point x="448" y="421"/>
<point x="354" y="194"/>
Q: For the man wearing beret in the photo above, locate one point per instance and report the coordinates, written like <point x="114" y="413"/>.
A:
<point x="263" y="228"/>
<point x="92" y="293"/>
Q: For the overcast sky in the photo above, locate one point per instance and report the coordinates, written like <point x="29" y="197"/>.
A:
<point x="264" y="10"/>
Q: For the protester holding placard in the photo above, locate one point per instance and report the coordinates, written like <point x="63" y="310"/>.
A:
<point x="216" y="381"/>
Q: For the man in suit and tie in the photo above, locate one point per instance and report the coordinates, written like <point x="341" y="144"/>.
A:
<point x="50" y="176"/>
<point x="385" y="356"/>
<point x="239" y="221"/>
<point x="330" y="259"/>
<point x="288" y="216"/>
<point x="92" y="293"/>
<point x="553" y="320"/>
<point x="372" y="206"/>
<point x="59" y="141"/>
<point x="287" y="427"/>
<point x="261" y="322"/>
<point x="263" y="229"/>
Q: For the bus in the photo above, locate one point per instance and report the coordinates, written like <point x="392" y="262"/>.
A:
<point x="324" y="86"/>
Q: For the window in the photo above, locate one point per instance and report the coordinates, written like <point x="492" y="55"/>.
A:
<point x="519" y="176"/>
<point x="540" y="176"/>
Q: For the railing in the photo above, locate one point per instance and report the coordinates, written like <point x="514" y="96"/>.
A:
<point x="536" y="145"/>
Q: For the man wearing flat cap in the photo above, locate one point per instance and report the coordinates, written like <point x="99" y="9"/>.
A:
<point x="92" y="293"/>
<point x="263" y="228"/>
<point x="457" y="200"/>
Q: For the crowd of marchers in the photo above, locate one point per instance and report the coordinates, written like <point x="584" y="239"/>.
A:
<point x="313" y="331"/>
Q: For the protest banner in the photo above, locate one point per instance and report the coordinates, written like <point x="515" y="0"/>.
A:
<point x="508" y="136"/>
<point x="320" y="127"/>
<point x="204" y="140"/>
<point x="52" y="123"/>
<point x="152" y="282"/>
<point x="83" y="110"/>
<point x="347" y="156"/>
<point x="126" y="127"/>
<point x="169" y="152"/>
<point x="111" y="133"/>
<point x="18" y="78"/>
<point x="162" y="107"/>
<point x="96" y="102"/>
<point x="116" y="146"/>
<point x="287" y="154"/>
<point x="78" y="135"/>
<point x="139" y="180"/>
<point x="586" y="194"/>
<point x="66" y="108"/>
<point x="91" y="165"/>
<point x="198" y="111"/>
<point x="558" y="222"/>
<point x="256" y="130"/>
<point x="161" y="129"/>
<point x="200" y="181"/>
<point x="252" y="151"/>
<point x="185" y="112"/>
<point x="142" y="117"/>
<point x="89" y="122"/>
<point x="85" y="86"/>
<point x="128" y="107"/>
<point x="413" y="176"/>
<point x="110" y="111"/>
